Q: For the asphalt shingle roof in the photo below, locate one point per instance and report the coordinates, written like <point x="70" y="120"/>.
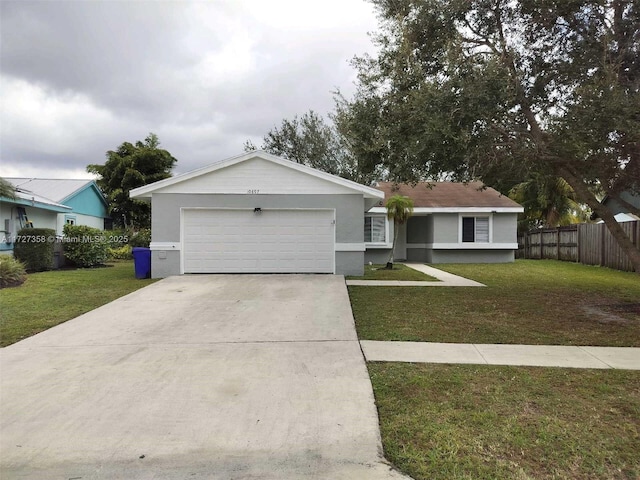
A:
<point x="447" y="194"/>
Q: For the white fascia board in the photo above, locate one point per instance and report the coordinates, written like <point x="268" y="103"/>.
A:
<point x="165" y="246"/>
<point x="147" y="190"/>
<point x="428" y="210"/>
<point x="471" y="246"/>
<point x="378" y="245"/>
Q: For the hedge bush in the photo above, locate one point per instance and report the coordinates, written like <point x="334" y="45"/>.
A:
<point x="34" y="248"/>
<point x="85" y="246"/>
<point x="141" y="238"/>
<point x="120" y="253"/>
<point x="12" y="272"/>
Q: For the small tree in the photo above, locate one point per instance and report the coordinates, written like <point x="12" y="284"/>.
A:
<point x="399" y="209"/>
<point x="7" y="190"/>
<point x="128" y="167"/>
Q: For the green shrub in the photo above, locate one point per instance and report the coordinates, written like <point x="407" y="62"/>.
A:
<point x="120" y="253"/>
<point x="85" y="246"/>
<point x="141" y="238"/>
<point x="12" y="272"/>
<point x="34" y="248"/>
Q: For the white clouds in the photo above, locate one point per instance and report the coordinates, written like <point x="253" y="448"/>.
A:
<point x="80" y="78"/>
<point x="38" y="122"/>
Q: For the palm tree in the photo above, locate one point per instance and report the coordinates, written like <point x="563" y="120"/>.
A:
<point x="548" y="202"/>
<point x="7" y="190"/>
<point x="399" y="209"/>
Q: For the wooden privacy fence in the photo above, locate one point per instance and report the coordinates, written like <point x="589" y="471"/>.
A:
<point x="588" y="243"/>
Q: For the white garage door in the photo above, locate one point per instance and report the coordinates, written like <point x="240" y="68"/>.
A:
<point x="273" y="241"/>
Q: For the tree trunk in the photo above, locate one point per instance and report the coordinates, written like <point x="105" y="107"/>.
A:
<point x="393" y="247"/>
<point x="585" y="195"/>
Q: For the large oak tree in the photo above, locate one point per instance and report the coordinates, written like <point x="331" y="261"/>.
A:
<point x="503" y="89"/>
<point x="310" y="140"/>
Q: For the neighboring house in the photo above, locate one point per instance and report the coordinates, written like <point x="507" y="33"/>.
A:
<point x="451" y="223"/>
<point x="621" y="213"/>
<point x="258" y="213"/>
<point x="51" y="203"/>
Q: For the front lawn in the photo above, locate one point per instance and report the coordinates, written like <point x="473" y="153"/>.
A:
<point x="399" y="272"/>
<point x="493" y="422"/>
<point x="49" y="298"/>
<point x="526" y="302"/>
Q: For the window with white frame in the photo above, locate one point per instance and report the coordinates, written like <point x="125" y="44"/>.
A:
<point x="475" y="229"/>
<point x="375" y="229"/>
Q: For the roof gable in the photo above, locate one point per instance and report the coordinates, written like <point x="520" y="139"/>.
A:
<point x="450" y="195"/>
<point x="256" y="172"/>
<point x="88" y="201"/>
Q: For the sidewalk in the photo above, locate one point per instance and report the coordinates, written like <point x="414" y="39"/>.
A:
<point x="445" y="279"/>
<point x="626" y="358"/>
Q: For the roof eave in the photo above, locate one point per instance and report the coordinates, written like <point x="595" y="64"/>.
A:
<point x="427" y="210"/>
<point x="36" y="204"/>
<point x="147" y="190"/>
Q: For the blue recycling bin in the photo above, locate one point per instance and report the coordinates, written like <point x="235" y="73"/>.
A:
<point x="142" y="261"/>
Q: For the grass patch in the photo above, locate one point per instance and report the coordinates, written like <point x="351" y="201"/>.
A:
<point x="529" y="302"/>
<point x="399" y="272"/>
<point x="49" y="298"/>
<point x="494" y="422"/>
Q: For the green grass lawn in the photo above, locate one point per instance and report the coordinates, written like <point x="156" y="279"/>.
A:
<point x="529" y="302"/>
<point x="496" y="422"/>
<point x="49" y="298"/>
<point x="399" y="272"/>
<point x="488" y="422"/>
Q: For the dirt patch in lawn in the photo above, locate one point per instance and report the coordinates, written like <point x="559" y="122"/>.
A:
<point x="616" y="313"/>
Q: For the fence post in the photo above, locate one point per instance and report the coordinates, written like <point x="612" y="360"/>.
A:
<point x="558" y="243"/>
<point x="602" y="244"/>
<point x="578" y="243"/>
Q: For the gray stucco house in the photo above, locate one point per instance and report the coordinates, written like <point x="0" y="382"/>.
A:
<point x="451" y="223"/>
<point x="258" y="213"/>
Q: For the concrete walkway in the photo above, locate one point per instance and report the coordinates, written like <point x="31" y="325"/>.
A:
<point x="445" y="279"/>
<point x="626" y="358"/>
<point x="209" y="376"/>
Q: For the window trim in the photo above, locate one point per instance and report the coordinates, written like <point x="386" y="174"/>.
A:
<point x="387" y="232"/>
<point x="488" y="216"/>
<point x="72" y="218"/>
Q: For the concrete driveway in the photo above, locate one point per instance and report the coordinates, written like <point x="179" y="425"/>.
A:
<point x="217" y="377"/>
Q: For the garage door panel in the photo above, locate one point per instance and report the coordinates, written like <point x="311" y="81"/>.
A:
<point x="274" y="241"/>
